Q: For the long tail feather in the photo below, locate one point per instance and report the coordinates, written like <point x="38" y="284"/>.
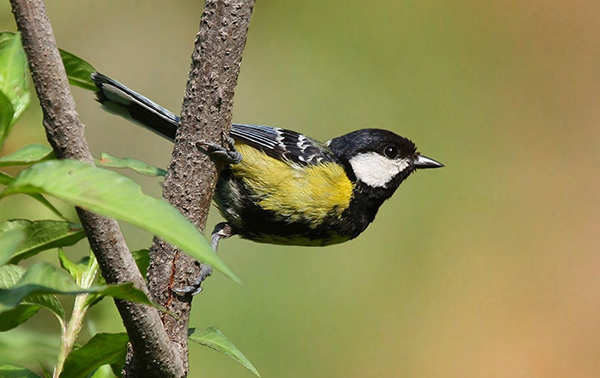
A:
<point x="122" y="101"/>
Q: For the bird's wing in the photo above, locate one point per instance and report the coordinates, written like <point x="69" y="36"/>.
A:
<point x="283" y="144"/>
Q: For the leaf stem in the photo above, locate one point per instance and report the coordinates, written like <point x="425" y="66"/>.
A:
<point x="69" y="335"/>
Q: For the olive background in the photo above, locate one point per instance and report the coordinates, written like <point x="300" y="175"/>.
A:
<point x="489" y="267"/>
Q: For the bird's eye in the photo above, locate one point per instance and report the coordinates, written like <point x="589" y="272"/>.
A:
<point x="391" y="151"/>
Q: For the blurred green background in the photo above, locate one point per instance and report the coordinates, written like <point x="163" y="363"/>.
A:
<point x="489" y="267"/>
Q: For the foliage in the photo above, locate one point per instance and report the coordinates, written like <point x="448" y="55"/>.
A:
<point x="24" y="291"/>
<point x="14" y="91"/>
<point x="213" y="338"/>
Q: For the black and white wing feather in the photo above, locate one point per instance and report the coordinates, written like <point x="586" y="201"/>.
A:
<point x="283" y="144"/>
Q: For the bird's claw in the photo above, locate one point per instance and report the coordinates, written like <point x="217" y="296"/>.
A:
<point x="196" y="287"/>
<point x="221" y="231"/>
<point x="228" y="154"/>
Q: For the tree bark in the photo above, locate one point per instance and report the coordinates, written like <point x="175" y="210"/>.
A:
<point x="205" y="116"/>
<point x="154" y="353"/>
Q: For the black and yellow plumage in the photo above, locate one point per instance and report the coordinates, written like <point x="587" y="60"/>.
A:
<point x="288" y="188"/>
<point x="293" y="204"/>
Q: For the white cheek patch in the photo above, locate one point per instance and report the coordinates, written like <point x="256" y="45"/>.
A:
<point x="376" y="170"/>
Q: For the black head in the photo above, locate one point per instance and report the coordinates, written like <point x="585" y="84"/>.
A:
<point x="379" y="158"/>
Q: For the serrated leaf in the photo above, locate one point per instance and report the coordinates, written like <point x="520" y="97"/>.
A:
<point x="139" y="166"/>
<point x="31" y="154"/>
<point x="11" y="275"/>
<point x="13" y="371"/>
<point x="13" y="77"/>
<point x="16" y="316"/>
<point x="78" y="70"/>
<point x="44" y="278"/>
<point x="113" y="195"/>
<point x="7" y="179"/>
<point x="213" y="338"/>
<point x="42" y="235"/>
<point x="102" y="349"/>
<point x="9" y="243"/>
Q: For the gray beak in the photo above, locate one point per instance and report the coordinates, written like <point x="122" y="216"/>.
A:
<point x="422" y="162"/>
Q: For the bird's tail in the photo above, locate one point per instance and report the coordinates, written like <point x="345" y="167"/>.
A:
<point x="122" y="101"/>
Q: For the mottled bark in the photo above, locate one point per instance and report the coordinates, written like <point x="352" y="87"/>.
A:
<point x="205" y="116"/>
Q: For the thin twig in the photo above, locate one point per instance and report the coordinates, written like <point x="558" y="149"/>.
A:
<point x="205" y="116"/>
<point x="153" y="350"/>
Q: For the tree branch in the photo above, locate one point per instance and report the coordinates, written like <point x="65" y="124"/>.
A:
<point x="205" y="116"/>
<point x="64" y="131"/>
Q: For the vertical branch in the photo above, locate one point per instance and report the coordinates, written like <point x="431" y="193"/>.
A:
<point x="64" y="131"/>
<point x="205" y="116"/>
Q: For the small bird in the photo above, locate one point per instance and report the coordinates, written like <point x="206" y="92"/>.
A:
<point x="283" y="187"/>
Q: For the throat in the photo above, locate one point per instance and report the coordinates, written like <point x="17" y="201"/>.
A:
<point x="363" y="208"/>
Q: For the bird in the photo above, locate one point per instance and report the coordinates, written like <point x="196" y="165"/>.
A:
<point x="279" y="186"/>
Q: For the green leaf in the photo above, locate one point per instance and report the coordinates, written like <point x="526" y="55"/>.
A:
<point x="107" y="160"/>
<point x="13" y="371"/>
<point x="11" y="275"/>
<point x="117" y="368"/>
<point x="40" y="198"/>
<point x="34" y="153"/>
<point x="13" y="72"/>
<point x="9" y="243"/>
<point x="75" y="270"/>
<point x="6" y="35"/>
<point x="142" y="259"/>
<point x="78" y="70"/>
<point x="42" y="235"/>
<point x="16" y="316"/>
<point x="89" y="277"/>
<point x="13" y="77"/>
<point x="47" y="373"/>
<point x="126" y="292"/>
<point x="43" y="278"/>
<point x="49" y="302"/>
<point x="213" y="338"/>
<point x="7" y="114"/>
<point x="7" y="179"/>
<point x="113" y="195"/>
<point x="102" y="349"/>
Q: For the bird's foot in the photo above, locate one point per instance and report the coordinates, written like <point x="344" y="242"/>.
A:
<point x="227" y="154"/>
<point x="221" y="231"/>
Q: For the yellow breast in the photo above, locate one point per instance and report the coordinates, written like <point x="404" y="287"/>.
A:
<point x="294" y="191"/>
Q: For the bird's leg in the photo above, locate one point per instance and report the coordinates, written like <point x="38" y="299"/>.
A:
<point x="221" y="231"/>
<point x="228" y="154"/>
